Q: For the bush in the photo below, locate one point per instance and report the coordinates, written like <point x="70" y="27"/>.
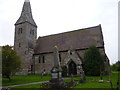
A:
<point x="93" y="64"/>
<point x="116" y="66"/>
<point x="64" y="71"/>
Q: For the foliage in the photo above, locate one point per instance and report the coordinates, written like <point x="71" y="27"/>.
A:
<point x="93" y="64"/>
<point x="64" y="71"/>
<point x="116" y="66"/>
<point x="10" y="62"/>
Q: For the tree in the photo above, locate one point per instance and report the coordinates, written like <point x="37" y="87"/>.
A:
<point x="116" y="66"/>
<point x="93" y="64"/>
<point x="10" y="62"/>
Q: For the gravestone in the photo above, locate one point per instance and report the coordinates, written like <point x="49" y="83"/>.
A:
<point x="56" y="72"/>
<point x="82" y="74"/>
<point x="83" y="78"/>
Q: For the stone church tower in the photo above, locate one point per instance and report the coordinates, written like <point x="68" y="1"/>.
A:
<point x="25" y="37"/>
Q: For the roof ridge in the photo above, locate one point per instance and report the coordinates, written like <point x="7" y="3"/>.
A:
<point x="70" y="31"/>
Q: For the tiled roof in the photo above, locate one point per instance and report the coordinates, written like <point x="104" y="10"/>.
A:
<point x="77" y="39"/>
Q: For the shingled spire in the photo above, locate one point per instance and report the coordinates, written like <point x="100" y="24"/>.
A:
<point x="27" y="0"/>
<point x="26" y="14"/>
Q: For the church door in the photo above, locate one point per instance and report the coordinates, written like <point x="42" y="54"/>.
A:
<point x="72" y="68"/>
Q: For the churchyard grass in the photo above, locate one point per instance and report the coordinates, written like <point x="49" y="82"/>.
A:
<point x="22" y="79"/>
<point x="92" y="82"/>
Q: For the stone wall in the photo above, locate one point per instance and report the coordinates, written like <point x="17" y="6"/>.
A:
<point x="39" y="67"/>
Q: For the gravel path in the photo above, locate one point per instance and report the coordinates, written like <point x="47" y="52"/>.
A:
<point x="23" y="84"/>
<point x="26" y="84"/>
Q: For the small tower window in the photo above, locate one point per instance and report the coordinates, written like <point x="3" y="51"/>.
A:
<point x="19" y="44"/>
<point x="19" y="30"/>
<point x="32" y="32"/>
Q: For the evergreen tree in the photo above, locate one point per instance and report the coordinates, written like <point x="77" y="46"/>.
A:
<point x="64" y="71"/>
<point x="10" y="62"/>
<point x="116" y="66"/>
<point x="93" y="64"/>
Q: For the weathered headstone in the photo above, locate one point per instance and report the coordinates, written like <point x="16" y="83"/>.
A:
<point x="56" y="79"/>
<point x="83" y="78"/>
<point x="82" y="74"/>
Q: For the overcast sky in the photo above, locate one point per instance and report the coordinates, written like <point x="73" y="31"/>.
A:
<point x="56" y="16"/>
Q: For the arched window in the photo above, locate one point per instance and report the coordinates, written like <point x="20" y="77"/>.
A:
<point x="43" y="59"/>
<point x="39" y="59"/>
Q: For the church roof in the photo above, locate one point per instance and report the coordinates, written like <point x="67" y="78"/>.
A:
<point x="26" y="14"/>
<point x="77" y="39"/>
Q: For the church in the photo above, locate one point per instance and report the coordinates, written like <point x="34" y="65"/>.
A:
<point x="37" y="54"/>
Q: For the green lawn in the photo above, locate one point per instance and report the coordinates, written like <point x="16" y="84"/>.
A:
<point x="21" y="79"/>
<point x="92" y="82"/>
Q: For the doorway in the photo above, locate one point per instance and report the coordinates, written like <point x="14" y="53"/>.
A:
<point x="72" y="68"/>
